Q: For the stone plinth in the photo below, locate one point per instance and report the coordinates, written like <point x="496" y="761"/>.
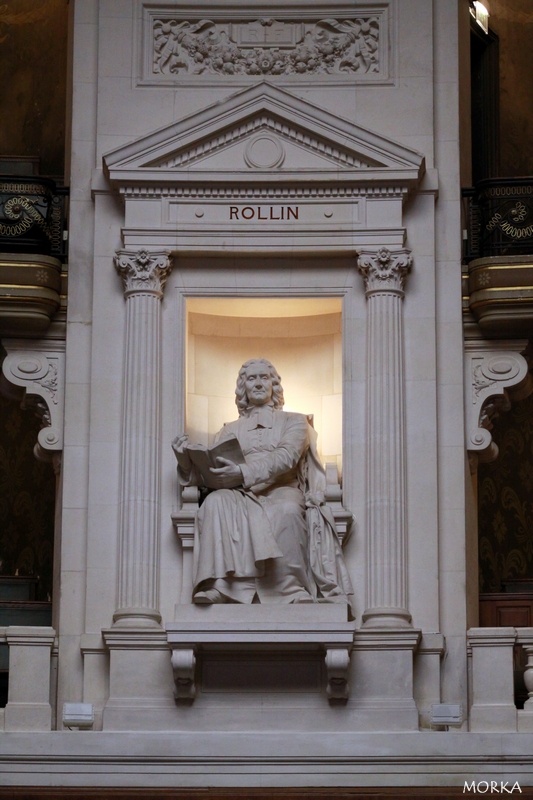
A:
<point x="282" y="628"/>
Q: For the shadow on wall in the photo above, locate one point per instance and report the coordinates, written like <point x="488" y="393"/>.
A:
<point x="27" y="499"/>
<point x="506" y="502"/>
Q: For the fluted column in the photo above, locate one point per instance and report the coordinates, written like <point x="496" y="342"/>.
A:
<point x="143" y="274"/>
<point x="385" y="273"/>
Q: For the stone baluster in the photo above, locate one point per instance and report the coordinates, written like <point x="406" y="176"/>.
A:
<point x="528" y="678"/>
<point x="385" y="273"/>
<point x="525" y="715"/>
<point x="143" y="274"/>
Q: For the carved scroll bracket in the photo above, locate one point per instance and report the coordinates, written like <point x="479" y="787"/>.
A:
<point x="184" y="667"/>
<point x="36" y="378"/>
<point x="338" y="668"/>
<point x="491" y="376"/>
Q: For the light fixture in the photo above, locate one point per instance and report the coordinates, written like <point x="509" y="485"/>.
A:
<point x="446" y="714"/>
<point x="480" y="12"/>
<point x="78" y="715"/>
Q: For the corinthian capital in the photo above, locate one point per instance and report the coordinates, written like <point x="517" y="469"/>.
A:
<point x="384" y="271"/>
<point x="143" y="271"/>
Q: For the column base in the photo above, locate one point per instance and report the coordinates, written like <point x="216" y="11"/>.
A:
<point x="387" y="617"/>
<point x="140" y="678"/>
<point x="137" y="618"/>
<point x="383" y="679"/>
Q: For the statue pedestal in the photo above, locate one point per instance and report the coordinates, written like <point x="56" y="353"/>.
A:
<point x="315" y="628"/>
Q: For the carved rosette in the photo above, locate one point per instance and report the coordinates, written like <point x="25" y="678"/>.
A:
<point x="36" y="378"/>
<point x="385" y="271"/>
<point x="143" y="271"/>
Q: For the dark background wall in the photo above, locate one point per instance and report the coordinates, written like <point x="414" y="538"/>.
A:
<point x="33" y="65"/>
<point x="512" y="22"/>
<point x="27" y="490"/>
<point x="33" y="69"/>
<point x="506" y="502"/>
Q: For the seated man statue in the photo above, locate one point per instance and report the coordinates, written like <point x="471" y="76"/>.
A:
<point x="264" y="535"/>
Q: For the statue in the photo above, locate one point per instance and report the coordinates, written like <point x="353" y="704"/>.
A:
<point x="263" y="533"/>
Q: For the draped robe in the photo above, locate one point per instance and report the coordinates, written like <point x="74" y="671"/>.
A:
<point x="254" y="539"/>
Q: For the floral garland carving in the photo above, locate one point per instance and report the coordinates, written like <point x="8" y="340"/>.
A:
<point x="204" y="47"/>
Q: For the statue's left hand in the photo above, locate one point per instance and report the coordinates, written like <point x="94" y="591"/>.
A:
<point x="179" y="446"/>
<point x="229" y="475"/>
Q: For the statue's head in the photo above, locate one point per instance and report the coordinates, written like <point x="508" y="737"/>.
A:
<point x="258" y="366"/>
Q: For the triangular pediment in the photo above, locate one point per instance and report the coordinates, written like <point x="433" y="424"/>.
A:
<point x="260" y="134"/>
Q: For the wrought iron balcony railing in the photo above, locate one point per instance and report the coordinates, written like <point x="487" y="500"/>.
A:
<point x="32" y="216"/>
<point x="499" y="218"/>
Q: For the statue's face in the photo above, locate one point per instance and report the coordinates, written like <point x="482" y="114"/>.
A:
<point x="258" y="383"/>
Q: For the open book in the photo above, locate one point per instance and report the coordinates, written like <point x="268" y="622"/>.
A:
<point x="204" y="458"/>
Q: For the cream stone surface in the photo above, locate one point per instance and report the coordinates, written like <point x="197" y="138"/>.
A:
<point x="287" y="207"/>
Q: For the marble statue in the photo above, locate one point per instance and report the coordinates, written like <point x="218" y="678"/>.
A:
<point x="264" y="534"/>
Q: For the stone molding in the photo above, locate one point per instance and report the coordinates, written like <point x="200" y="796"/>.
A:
<point x="271" y="192"/>
<point x="36" y="376"/>
<point x="493" y="372"/>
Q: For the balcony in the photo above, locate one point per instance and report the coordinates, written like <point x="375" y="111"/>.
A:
<point x="499" y="255"/>
<point x="32" y="251"/>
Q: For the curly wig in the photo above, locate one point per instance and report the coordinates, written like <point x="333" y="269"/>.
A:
<point x="241" y="398"/>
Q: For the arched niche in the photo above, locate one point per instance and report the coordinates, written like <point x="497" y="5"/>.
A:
<point x="301" y="336"/>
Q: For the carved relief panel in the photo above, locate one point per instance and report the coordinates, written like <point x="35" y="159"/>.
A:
<point x="350" y="42"/>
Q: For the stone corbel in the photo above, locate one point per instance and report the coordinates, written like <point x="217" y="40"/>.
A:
<point x="184" y="667"/>
<point x="491" y="375"/>
<point x="337" y="668"/>
<point x="36" y="378"/>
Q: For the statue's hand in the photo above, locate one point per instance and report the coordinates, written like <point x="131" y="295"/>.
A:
<point x="229" y="475"/>
<point x="179" y="446"/>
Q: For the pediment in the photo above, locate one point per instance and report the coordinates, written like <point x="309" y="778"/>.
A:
<point x="263" y="134"/>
